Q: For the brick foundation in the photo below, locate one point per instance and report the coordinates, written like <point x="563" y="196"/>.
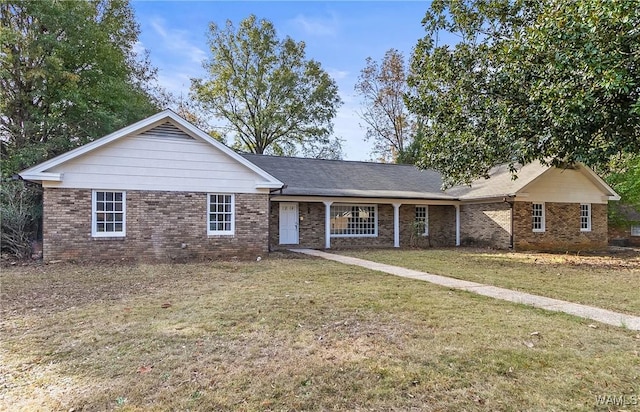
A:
<point x="562" y="228"/>
<point x="161" y="226"/>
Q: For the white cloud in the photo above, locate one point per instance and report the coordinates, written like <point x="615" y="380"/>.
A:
<point x="177" y="41"/>
<point x="337" y="74"/>
<point x="317" y="26"/>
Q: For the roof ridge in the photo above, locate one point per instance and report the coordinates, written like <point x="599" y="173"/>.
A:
<point x="332" y="160"/>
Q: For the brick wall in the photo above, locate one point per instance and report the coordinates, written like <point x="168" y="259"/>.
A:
<point x="442" y="226"/>
<point x="486" y="224"/>
<point x="562" y="228"/>
<point x="161" y="226"/>
<point x="312" y="234"/>
<point x="621" y="235"/>
<point x="311" y="226"/>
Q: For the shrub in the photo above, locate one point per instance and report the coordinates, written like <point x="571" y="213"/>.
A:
<point x="20" y="211"/>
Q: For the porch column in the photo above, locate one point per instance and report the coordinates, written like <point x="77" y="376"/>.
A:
<point x="327" y="225"/>
<point x="396" y="224"/>
<point x="457" y="225"/>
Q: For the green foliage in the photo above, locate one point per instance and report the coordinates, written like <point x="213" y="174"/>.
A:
<point x="413" y="151"/>
<point x="555" y="81"/>
<point x="274" y="100"/>
<point x="625" y="179"/>
<point x="68" y="74"/>
<point x="389" y="124"/>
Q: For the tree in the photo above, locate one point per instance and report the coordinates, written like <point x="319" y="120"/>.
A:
<point x="624" y="177"/>
<point x="19" y="208"/>
<point x="68" y="74"/>
<point x="388" y="122"/>
<point x="274" y="99"/>
<point x="554" y="81"/>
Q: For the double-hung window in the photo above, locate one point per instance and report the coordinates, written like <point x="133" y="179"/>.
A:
<point x="221" y="214"/>
<point x="108" y="213"/>
<point x="422" y="220"/>
<point x="635" y="230"/>
<point x="348" y="220"/>
<point x="537" y="217"/>
<point x="585" y="217"/>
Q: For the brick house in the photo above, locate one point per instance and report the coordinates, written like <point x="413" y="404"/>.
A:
<point x="626" y="230"/>
<point x="163" y="190"/>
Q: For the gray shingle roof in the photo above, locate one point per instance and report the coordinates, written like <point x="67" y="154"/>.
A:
<point x="501" y="182"/>
<point x="316" y="177"/>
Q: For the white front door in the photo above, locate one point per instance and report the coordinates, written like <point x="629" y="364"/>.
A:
<point x="288" y="223"/>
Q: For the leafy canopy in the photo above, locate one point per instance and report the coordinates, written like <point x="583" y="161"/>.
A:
<point x="274" y="100"/>
<point x="389" y="124"/>
<point x="557" y="81"/>
<point x="68" y="74"/>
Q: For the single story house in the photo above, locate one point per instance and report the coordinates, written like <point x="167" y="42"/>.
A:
<point x="161" y="189"/>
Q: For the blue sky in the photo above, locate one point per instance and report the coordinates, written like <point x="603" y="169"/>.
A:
<point x="338" y="34"/>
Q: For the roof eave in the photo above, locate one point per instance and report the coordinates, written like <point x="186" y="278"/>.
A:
<point x="36" y="172"/>
<point x="41" y="177"/>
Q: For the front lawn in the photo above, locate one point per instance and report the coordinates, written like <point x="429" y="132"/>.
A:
<point x="610" y="281"/>
<point x="292" y="334"/>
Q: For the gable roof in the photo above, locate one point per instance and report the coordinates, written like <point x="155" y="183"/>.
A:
<point x="40" y="172"/>
<point x="501" y="182"/>
<point x="318" y="177"/>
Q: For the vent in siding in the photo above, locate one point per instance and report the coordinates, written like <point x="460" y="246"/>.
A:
<point x="166" y="131"/>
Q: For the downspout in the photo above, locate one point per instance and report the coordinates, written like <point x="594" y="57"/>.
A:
<point x="457" y="206"/>
<point x="511" y="205"/>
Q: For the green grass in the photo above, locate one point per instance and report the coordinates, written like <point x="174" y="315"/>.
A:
<point x="607" y="281"/>
<point x="291" y="334"/>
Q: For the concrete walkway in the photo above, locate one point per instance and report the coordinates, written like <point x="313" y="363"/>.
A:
<point x="583" y="311"/>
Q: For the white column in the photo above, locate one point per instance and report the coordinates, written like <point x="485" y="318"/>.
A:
<point x="396" y="224"/>
<point x="457" y="225"/>
<point x="327" y="225"/>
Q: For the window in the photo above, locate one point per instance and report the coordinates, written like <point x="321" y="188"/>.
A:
<point x="422" y="220"/>
<point x="537" y="215"/>
<point x="108" y="214"/>
<point x="354" y="220"/>
<point x="635" y="230"/>
<point x="220" y="210"/>
<point x="585" y="217"/>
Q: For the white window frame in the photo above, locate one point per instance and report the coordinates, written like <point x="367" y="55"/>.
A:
<point x="352" y="205"/>
<point x="95" y="211"/>
<point x="635" y="230"/>
<point x="587" y="227"/>
<point x="232" y="229"/>
<point x="542" y="227"/>
<point x="423" y="219"/>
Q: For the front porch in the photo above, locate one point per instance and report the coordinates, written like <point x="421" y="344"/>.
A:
<point x="326" y="223"/>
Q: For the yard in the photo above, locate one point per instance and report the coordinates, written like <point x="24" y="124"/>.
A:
<point x="610" y="281"/>
<point x="293" y="333"/>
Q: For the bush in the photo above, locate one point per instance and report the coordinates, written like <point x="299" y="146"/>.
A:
<point x="20" y="211"/>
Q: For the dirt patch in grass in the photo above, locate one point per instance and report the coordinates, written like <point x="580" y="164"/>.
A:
<point x="607" y="280"/>
<point x="291" y="334"/>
